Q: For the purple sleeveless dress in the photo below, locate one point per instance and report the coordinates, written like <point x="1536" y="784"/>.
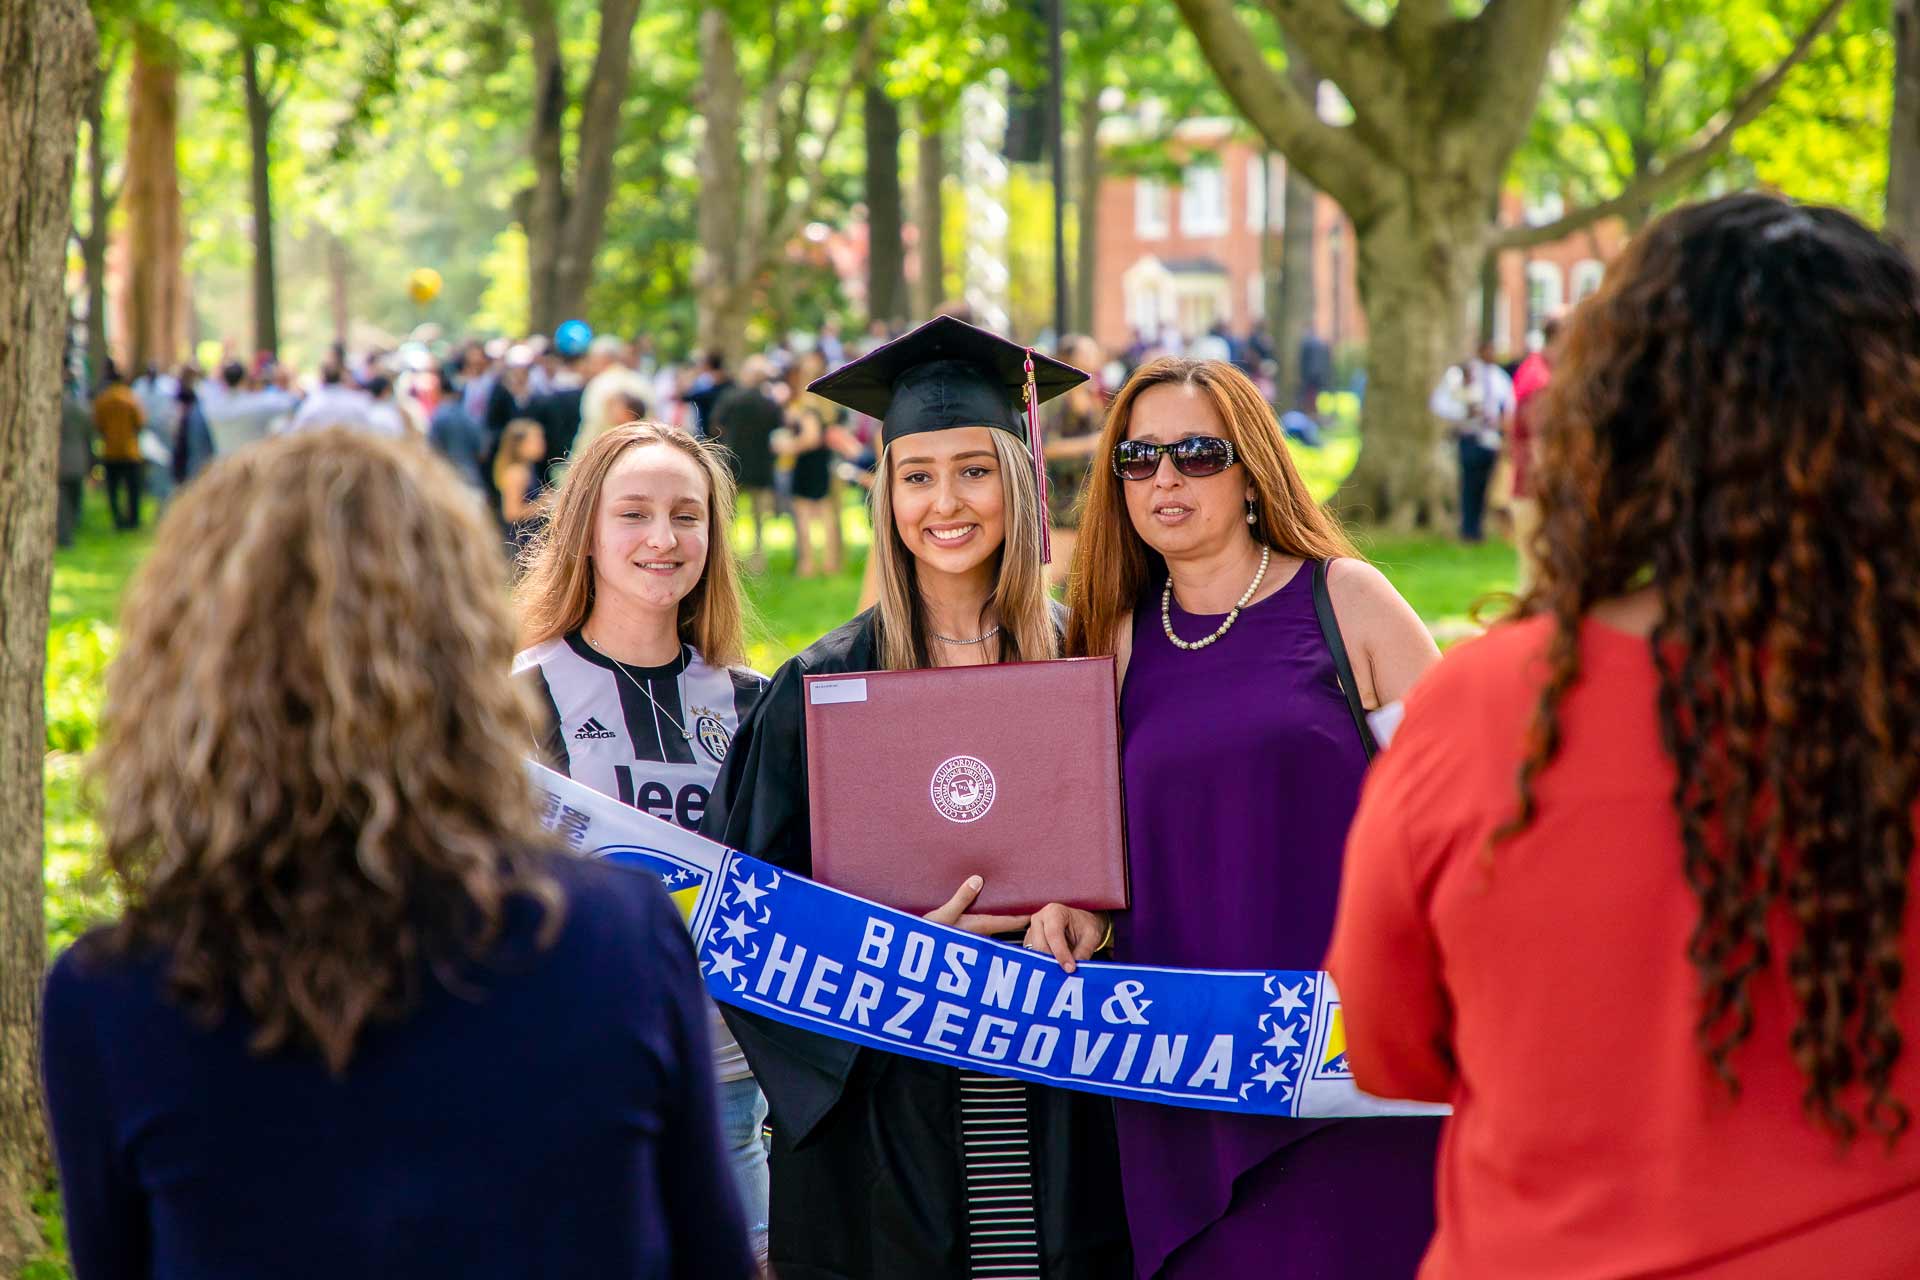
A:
<point x="1242" y="770"/>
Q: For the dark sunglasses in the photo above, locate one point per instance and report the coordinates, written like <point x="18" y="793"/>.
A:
<point x="1195" y="456"/>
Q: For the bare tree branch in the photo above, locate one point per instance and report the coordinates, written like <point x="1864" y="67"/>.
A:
<point x="811" y="171"/>
<point x="1333" y="158"/>
<point x="598" y="134"/>
<point x="777" y="134"/>
<point x="1690" y="162"/>
<point x="1516" y="34"/>
<point x="279" y="83"/>
<point x="758" y="191"/>
<point x="1420" y="16"/>
<point x="1340" y="44"/>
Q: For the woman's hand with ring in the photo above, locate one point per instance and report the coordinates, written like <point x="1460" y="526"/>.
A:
<point x="1068" y="932"/>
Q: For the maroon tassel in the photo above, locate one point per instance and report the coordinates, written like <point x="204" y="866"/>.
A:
<point x="1032" y="398"/>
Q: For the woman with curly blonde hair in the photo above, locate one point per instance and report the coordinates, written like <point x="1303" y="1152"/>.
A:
<point x="359" y="1017"/>
<point x="1633" y="887"/>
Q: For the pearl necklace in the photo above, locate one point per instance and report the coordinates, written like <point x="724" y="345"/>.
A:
<point x="1233" y="615"/>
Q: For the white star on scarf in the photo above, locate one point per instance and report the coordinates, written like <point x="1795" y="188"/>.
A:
<point x="1289" y="1000"/>
<point x="737" y="927"/>
<point x="724" y="963"/>
<point x="1282" y="1040"/>
<point x="748" y="891"/>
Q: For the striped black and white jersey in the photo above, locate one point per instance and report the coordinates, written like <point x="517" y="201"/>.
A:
<point x="652" y="737"/>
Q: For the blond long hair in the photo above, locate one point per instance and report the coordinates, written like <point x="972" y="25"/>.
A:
<point x="1020" y="586"/>
<point x="555" y="592"/>
<point x="309" y="770"/>
<point x="1112" y="564"/>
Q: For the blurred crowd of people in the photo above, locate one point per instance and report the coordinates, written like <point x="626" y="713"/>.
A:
<point x="508" y="414"/>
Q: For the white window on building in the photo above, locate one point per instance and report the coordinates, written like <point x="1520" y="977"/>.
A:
<point x="1149" y="208"/>
<point x="1587" y="274"/>
<point x="1203" y="200"/>
<point x="1540" y="210"/>
<point x="1199" y="304"/>
<point x="1266" y="193"/>
<point x="1546" y="294"/>
<point x="1147" y="288"/>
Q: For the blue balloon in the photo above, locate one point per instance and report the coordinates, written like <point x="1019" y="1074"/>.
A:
<point x="572" y="338"/>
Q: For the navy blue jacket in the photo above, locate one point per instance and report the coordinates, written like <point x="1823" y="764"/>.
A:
<point x="561" y="1121"/>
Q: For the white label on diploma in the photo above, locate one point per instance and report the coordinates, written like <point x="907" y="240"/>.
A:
<point x="1386" y="721"/>
<point x="824" y="693"/>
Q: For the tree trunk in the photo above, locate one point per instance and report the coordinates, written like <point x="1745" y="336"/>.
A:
<point x="1087" y="167"/>
<point x="339" y="278"/>
<point x="1416" y="262"/>
<point x="1299" y="213"/>
<point x="930" y="173"/>
<point x="93" y="247"/>
<point x="1490" y="281"/>
<point x="599" y="134"/>
<point x="720" y="305"/>
<point x="1903" y="141"/>
<point x="547" y="210"/>
<point x="47" y="48"/>
<point x="156" y="240"/>
<point x="886" y="254"/>
<point x="266" y="312"/>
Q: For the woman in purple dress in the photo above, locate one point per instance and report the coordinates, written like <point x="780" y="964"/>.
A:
<point x="1242" y="760"/>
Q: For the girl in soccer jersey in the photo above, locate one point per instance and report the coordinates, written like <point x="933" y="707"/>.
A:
<point x="886" y="1165"/>
<point x="632" y="618"/>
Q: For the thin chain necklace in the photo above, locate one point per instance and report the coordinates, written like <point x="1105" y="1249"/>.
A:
<point x="979" y="639"/>
<point x="685" y="732"/>
<point x="1233" y="615"/>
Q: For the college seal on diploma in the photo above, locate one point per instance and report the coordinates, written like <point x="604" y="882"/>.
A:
<point x="919" y="779"/>
<point x="963" y="789"/>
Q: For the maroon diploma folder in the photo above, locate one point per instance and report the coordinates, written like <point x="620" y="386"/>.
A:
<point x="919" y="779"/>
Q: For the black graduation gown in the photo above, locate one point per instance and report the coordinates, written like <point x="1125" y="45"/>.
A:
<point x="868" y="1177"/>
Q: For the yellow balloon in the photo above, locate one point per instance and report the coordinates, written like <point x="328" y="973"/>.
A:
<point x="423" y="286"/>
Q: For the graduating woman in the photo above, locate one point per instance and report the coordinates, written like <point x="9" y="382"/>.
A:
<point x="885" y="1165"/>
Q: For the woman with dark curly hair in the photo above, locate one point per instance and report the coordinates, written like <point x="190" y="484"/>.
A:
<point x="359" y="1018"/>
<point x="1630" y="887"/>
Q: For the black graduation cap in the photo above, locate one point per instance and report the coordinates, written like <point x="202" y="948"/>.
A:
<point x="948" y="373"/>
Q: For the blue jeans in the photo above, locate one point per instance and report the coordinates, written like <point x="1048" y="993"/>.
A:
<point x="743" y="1110"/>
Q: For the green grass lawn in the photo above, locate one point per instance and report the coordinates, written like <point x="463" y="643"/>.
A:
<point x="1441" y="578"/>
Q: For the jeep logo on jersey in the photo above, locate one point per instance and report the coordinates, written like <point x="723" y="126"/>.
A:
<point x="963" y="789"/>
<point x="713" y="736"/>
<point x="592" y="729"/>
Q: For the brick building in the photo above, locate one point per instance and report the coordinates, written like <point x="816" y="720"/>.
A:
<point x="1176" y="259"/>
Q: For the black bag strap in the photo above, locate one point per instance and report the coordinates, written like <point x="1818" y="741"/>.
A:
<point x="1342" y="668"/>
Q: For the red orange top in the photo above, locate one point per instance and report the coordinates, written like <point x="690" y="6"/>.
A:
<point x="1545" y="992"/>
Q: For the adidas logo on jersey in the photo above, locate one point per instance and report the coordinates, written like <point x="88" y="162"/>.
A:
<point x="593" y="729"/>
